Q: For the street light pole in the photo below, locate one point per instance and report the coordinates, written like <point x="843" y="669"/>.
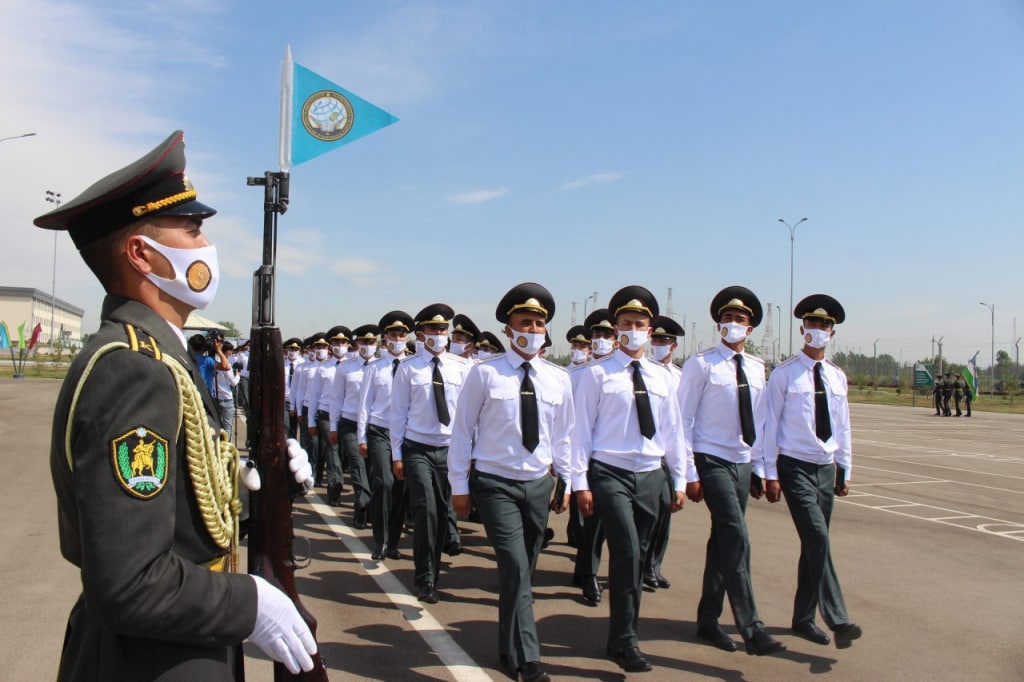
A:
<point x="792" y="239"/>
<point x="874" y="372"/>
<point x="53" y="198"/>
<point x="992" y="367"/>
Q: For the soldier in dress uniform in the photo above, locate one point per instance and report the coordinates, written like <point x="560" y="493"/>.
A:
<point x="319" y="388"/>
<point x="721" y="396"/>
<point x="603" y="342"/>
<point x="664" y="341"/>
<point x="958" y="393"/>
<point x="811" y="459"/>
<point x="157" y="598"/>
<point x="464" y="335"/>
<point x="387" y="494"/>
<point x="968" y="395"/>
<point x="947" y="394"/>
<point x="292" y="359"/>
<point x="579" y="355"/>
<point x="937" y="395"/>
<point x="344" y="415"/>
<point x="627" y="423"/>
<point x="423" y="397"/>
<point x="489" y="346"/>
<point x="514" y="423"/>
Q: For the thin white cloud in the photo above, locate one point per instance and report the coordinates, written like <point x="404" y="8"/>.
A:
<point x="361" y="272"/>
<point x="595" y="179"/>
<point x="478" y="196"/>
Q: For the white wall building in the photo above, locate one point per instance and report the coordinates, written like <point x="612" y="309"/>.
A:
<point x="32" y="306"/>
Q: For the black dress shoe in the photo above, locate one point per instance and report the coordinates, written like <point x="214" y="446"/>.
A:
<point x="392" y="553"/>
<point x="532" y="672"/>
<point x="549" y="535"/>
<point x="663" y="582"/>
<point x="453" y="548"/>
<point x="631" y="660"/>
<point x="845" y="634"/>
<point x="359" y="519"/>
<point x="715" y="635"/>
<point x="651" y="581"/>
<point x="378" y="554"/>
<point x="591" y="589"/>
<point x="763" y="644"/>
<point x="811" y="632"/>
<point x="428" y="594"/>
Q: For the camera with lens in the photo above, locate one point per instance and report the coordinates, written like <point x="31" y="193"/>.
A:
<point x="213" y="336"/>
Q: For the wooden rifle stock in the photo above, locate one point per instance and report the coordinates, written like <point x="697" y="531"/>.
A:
<point x="270" y="510"/>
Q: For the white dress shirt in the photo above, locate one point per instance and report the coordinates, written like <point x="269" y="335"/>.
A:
<point x="789" y="427"/>
<point x="413" y="414"/>
<point x="709" y="403"/>
<point x="343" y="400"/>
<point x="489" y="412"/>
<point x="318" y="388"/>
<point x="225" y="380"/>
<point x="291" y="370"/>
<point x="375" y="394"/>
<point x="608" y="429"/>
<point x="302" y="379"/>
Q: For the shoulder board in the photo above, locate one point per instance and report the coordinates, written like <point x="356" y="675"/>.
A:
<point x="828" y="361"/>
<point x="554" y="365"/>
<point x="788" y="361"/>
<point x="707" y="350"/>
<point x="755" y="358"/>
<point x="458" y="358"/>
<point x="490" y="359"/>
<point x="141" y="342"/>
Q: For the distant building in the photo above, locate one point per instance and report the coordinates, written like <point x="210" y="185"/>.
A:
<point x="32" y="306"/>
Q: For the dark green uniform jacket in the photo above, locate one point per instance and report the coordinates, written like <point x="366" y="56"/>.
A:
<point x="128" y="518"/>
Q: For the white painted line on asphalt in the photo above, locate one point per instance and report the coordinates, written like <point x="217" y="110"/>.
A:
<point x="944" y="520"/>
<point x="947" y="468"/>
<point x="936" y="480"/>
<point x="459" y="663"/>
<point x="893" y="506"/>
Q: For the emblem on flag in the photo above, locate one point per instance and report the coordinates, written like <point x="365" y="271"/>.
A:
<point x="327" y="115"/>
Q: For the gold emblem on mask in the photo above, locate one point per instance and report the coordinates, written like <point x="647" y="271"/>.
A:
<point x="198" y="276"/>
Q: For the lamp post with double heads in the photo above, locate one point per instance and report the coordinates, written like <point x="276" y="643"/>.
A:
<point x="992" y="367"/>
<point x="53" y="198"/>
<point x="792" y="239"/>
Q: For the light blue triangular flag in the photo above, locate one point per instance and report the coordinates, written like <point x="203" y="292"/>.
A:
<point x="318" y="116"/>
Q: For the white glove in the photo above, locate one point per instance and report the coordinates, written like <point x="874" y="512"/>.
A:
<point x="280" y="631"/>
<point x="298" y="464"/>
<point x="250" y="475"/>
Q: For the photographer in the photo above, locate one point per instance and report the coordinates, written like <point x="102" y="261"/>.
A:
<point x="225" y="381"/>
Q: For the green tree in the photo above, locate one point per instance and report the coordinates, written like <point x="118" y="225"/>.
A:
<point x="231" y="330"/>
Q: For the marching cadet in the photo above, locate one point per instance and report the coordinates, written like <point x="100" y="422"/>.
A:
<point x="601" y="327"/>
<point x="721" y="397"/>
<point x="292" y="358"/>
<point x="464" y="336"/>
<point x="947" y="394"/>
<point x="627" y="423"/>
<point x="489" y="346"/>
<point x="579" y="355"/>
<point x="134" y="438"/>
<point x="664" y="341"/>
<point x="808" y="453"/>
<point x="318" y="355"/>
<point x="958" y="393"/>
<point x="344" y="415"/>
<point x="514" y="422"/>
<point x="937" y="395"/>
<point x="319" y="388"/>
<point x="423" y="397"/>
<point x="968" y="395"/>
<point x="387" y="494"/>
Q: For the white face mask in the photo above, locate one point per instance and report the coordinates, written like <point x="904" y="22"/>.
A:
<point x="196" y="273"/>
<point x="528" y="344"/>
<point x="633" y="339"/>
<point x="396" y="347"/>
<point x="366" y="351"/>
<point x="578" y="356"/>
<point x="817" y="338"/>
<point x="293" y="355"/>
<point x="484" y="354"/>
<point x="457" y="348"/>
<point x="659" y="353"/>
<point x="602" y="346"/>
<point x="321" y="354"/>
<point x="732" y="332"/>
<point x="435" y="344"/>
<point x="339" y="350"/>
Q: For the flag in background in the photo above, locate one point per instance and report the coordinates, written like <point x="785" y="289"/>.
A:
<point x="972" y="375"/>
<point x="21" y="336"/>
<point x="35" y="335"/>
<point x="318" y="116"/>
<point x="5" y="336"/>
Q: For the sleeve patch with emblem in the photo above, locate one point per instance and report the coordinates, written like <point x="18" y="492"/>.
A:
<point x="140" y="462"/>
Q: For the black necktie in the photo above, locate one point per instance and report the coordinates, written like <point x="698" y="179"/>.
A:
<point x="643" y="403"/>
<point x="394" y="367"/>
<point x="439" y="400"/>
<point x="291" y="371"/>
<point x="822" y="422"/>
<point x="528" y="410"/>
<point x="746" y="408"/>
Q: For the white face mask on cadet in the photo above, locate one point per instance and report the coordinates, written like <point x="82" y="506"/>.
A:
<point x="634" y="339"/>
<point x="527" y="343"/>
<point x="366" y="351"/>
<point x="196" y="273"/>
<point x="435" y="343"/>
<point x="321" y="354"/>
<point x="659" y="353"/>
<point x="396" y="347"/>
<point x="732" y="332"/>
<point x="293" y="355"/>
<point x="602" y="346"/>
<point x="817" y="338"/>
<point x="578" y="356"/>
<point x="456" y="348"/>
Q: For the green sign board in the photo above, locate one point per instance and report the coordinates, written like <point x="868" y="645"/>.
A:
<point x="923" y="376"/>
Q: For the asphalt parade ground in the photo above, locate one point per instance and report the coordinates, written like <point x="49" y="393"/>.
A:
<point x="928" y="547"/>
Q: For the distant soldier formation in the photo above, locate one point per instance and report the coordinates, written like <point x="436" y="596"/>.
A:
<point x="949" y="391"/>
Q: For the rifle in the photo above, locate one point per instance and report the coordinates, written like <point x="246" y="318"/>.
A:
<point x="270" y="509"/>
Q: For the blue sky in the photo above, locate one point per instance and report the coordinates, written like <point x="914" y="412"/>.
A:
<point x="583" y="145"/>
